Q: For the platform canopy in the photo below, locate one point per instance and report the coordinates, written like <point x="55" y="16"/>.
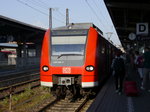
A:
<point x="15" y="31"/>
<point x="130" y="17"/>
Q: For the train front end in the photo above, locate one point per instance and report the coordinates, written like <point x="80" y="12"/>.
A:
<point x="68" y="59"/>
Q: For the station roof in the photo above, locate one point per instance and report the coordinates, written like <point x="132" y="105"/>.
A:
<point x="8" y="45"/>
<point x="19" y="31"/>
<point x="125" y="14"/>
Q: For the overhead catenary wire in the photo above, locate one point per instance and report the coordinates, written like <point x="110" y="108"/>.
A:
<point x="60" y="13"/>
<point x="95" y="13"/>
<point x="57" y="10"/>
<point x="42" y="3"/>
<point x="112" y="27"/>
<point x="44" y="6"/>
<point x="37" y="4"/>
<point x="70" y="18"/>
<point x="105" y="19"/>
<point x="109" y="33"/>
<point x="26" y="4"/>
<point x="32" y="7"/>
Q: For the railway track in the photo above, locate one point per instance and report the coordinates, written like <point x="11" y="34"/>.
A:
<point x="16" y="85"/>
<point x="51" y="105"/>
<point x="17" y="78"/>
<point x="65" y="105"/>
<point x="87" y="105"/>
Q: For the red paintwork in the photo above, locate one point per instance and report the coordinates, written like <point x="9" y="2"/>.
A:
<point x="92" y="43"/>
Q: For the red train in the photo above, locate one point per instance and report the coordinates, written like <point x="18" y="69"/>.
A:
<point x="75" y="57"/>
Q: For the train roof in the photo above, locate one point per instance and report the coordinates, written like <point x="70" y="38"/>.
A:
<point x="78" y="26"/>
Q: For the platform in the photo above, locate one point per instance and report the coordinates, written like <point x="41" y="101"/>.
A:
<point x="109" y="101"/>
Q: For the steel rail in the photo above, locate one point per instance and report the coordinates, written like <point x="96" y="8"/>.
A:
<point x="17" y="88"/>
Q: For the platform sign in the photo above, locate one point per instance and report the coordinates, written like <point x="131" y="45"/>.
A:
<point x="142" y="28"/>
<point x="143" y="38"/>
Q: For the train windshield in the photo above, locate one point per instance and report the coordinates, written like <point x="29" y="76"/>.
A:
<point x="67" y="50"/>
<point x="68" y="45"/>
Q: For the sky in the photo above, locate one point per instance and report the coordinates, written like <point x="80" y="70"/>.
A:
<point x="36" y="12"/>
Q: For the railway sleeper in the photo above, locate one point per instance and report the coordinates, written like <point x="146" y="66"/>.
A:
<point x="59" y="105"/>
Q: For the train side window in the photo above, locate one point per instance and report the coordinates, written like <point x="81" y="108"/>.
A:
<point x="103" y="50"/>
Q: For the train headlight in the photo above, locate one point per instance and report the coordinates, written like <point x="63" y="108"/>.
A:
<point x="63" y="82"/>
<point x="68" y="80"/>
<point x="45" y="68"/>
<point x="89" y="68"/>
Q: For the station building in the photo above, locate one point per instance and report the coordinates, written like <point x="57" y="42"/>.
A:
<point x="20" y="44"/>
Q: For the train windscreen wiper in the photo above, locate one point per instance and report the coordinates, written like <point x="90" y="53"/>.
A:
<point x="68" y="55"/>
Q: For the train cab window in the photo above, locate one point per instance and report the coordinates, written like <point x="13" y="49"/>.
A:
<point x="68" y="49"/>
<point x="68" y="45"/>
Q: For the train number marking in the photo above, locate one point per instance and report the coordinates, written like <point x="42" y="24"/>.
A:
<point x="66" y="70"/>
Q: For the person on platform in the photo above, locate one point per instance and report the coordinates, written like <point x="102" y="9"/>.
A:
<point x="119" y="72"/>
<point x="146" y="70"/>
<point x="139" y="65"/>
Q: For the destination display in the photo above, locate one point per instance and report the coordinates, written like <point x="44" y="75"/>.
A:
<point x="68" y="32"/>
